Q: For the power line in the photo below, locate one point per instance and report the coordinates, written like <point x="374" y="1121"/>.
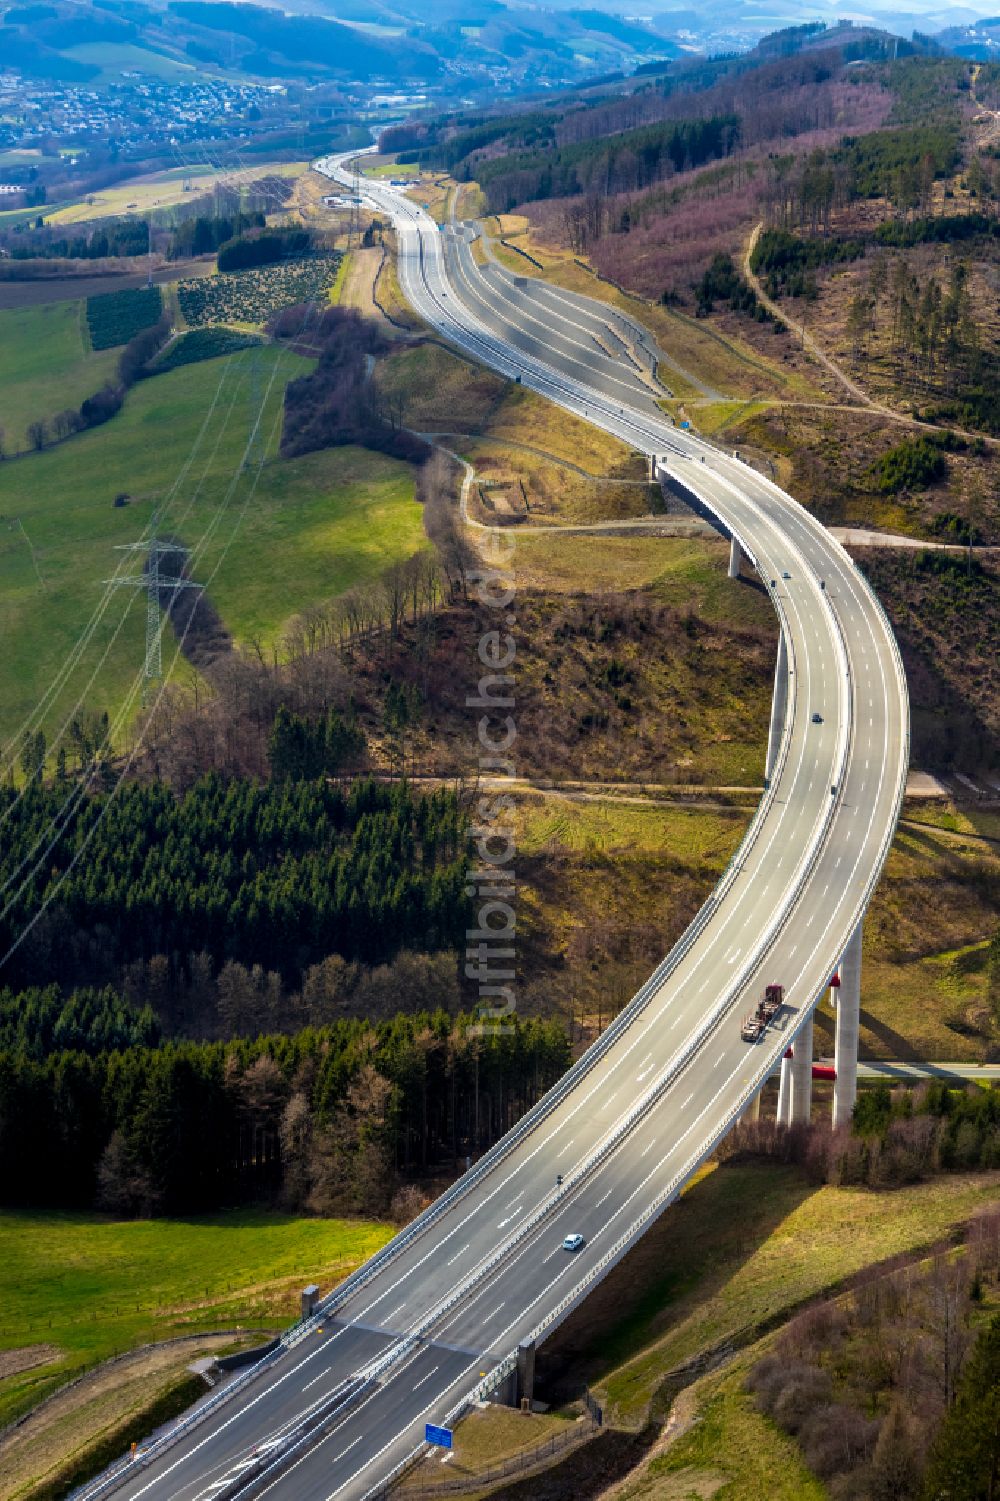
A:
<point x="56" y="886"/>
<point x="253" y="456"/>
<point x="60" y="819"/>
<point x="8" y="754"/>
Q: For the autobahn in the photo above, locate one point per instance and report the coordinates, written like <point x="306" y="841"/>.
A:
<point x="437" y="1317"/>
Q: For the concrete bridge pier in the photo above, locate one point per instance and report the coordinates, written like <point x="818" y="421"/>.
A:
<point x="802" y="1077"/>
<point x="848" y="1001"/>
<point x="735" y="559"/>
<point x="779" y="702"/>
<point x="785" y="1092"/>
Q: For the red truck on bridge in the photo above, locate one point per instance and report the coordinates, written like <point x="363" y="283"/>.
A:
<point x="755" y="1022"/>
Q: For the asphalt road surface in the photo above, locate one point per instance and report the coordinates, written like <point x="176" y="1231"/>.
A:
<point x="445" y="1307"/>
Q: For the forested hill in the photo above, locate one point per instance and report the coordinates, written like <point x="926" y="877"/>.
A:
<point x="480" y="42"/>
<point x="651" y="176"/>
<point x="209" y="1009"/>
<point x="652" y="126"/>
<point x="279" y="875"/>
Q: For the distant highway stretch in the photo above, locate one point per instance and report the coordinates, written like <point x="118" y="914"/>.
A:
<point x="437" y="1317"/>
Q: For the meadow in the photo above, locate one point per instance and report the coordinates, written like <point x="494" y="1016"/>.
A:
<point x="114" y="58"/>
<point x="94" y="1287"/>
<point x="163" y="190"/>
<point x="47" y="365"/>
<point x="76" y="1290"/>
<point x="309" y="529"/>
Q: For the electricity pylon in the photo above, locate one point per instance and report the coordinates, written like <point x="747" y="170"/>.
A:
<point x="153" y="580"/>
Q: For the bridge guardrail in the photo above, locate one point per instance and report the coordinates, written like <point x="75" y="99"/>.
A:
<point x="553" y="1097"/>
<point x="583" y="1066"/>
<point x="846" y="729"/>
<point x="571" y="1078"/>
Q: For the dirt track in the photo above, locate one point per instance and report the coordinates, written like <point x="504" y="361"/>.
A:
<point x="65" y="1425"/>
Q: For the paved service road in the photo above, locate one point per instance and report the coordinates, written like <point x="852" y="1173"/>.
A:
<point x="447" y="1303"/>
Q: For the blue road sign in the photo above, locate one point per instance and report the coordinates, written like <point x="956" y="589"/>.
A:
<point x="435" y="1435"/>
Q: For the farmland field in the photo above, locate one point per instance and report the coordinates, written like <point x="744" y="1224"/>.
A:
<point x="313" y="526"/>
<point x="47" y="366"/>
<point x="17" y="157"/>
<point x="17" y="294"/>
<point x="204" y="344"/>
<point x="116" y="317"/>
<point x="115" y="57"/>
<point x="162" y="190"/>
<point x="252" y="296"/>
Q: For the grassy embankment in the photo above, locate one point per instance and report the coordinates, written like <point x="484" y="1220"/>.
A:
<point x="387" y="166"/>
<point x="490" y="1437"/>
<point x="924" y="989"/>
<point x="813" y="1242"/>
<point x="312" y="527"/>
<point x="744" y="1247"/>
<point x="605" y="888"/>
<point x="610" y="882"/>
<point x="571" y="471"/>
<point x="47" y="366"/>
<point x="78" y="1289"/>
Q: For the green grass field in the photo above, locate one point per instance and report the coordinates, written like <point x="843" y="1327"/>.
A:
<point x="314" y="526"/>
<point x="94" y="1287"/>
<point x="393" y="169"/>
<point x="683" y="572"/>
<point x="19" y="158"/>
<point x="46" y="365"/>
<point x="924" y="991"/>
<point x="114" y="58"/>
<point x="321" y="524"/>
<point x="11" y="216"/>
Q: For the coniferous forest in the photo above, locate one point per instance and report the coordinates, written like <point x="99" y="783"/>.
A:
<point x="279" y="874"/>
<point x="247" y="990"/>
